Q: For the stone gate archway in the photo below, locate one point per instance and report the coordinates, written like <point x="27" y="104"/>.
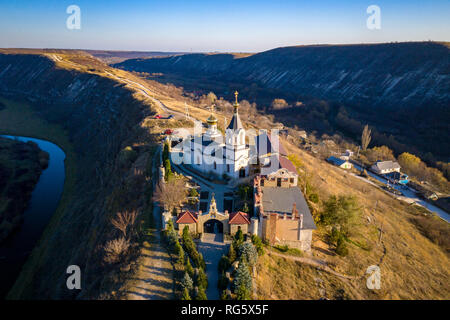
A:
<point x="213" y="226"/>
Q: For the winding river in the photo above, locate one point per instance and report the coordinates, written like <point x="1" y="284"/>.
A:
<point x="44" y="201"/>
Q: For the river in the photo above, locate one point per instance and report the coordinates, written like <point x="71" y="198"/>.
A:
<point x="44" y="201"/>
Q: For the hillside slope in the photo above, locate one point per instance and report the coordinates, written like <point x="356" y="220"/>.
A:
<point x="397" y="74"/>
<point x="100" y="117"/>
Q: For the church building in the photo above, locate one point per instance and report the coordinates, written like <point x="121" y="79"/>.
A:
<point x="211" y="153"/>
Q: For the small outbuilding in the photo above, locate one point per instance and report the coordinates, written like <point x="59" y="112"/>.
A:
<point x="341" y="163"/>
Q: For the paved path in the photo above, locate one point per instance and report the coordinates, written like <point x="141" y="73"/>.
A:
<point x="212" y="248"/>
<point x="154" y="279"/>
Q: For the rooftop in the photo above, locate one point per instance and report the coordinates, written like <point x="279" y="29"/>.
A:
<point x="281" y="201"/>
<point x="386" y="165"/>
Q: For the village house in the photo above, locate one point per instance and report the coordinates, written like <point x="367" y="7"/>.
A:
<point x="384" y="167"/>
<point x="283" y="215"/>
<point x="346" y="155"/>
<point x="341" y="163"/>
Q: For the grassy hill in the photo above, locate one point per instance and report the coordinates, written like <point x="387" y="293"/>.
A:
<point x="344" y="86"/>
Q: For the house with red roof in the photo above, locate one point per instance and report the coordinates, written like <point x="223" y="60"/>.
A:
<point x="189" y="219"/>
<point x="239" y="220"/>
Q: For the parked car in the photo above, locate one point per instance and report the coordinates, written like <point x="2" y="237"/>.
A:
<point x="168" y="131"/>
<point x="158" y="116"/>
<point x="170" y="116"/>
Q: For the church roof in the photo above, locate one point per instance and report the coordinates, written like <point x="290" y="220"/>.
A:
<point x="235" y="123"/>
<point x="187" y="217"/>
<point x="238" y="218"/>
<point x="263" y="139"/>
<point x="211" y="119"/>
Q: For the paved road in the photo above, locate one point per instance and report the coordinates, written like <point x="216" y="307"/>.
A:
<point x="408" y="195"/>
<point x="212" y="248"/>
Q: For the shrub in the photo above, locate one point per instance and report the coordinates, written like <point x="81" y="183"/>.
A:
<point x="224" y="264"/>
<point x="201" y="280"/>
<point x="127" y="156"/>
<point x="185" y="295"/>
<point x="343" y="212"/>
<point x="341" y="248"/>
<point x="239" y="236"/>
<point x="232" y="253"/>
<point x="193" y="196"/>
<point x="314" y="197"/>
<point x="201" y="294"/>
<point x="188" y="267"/>
<point x="258" y="244"/>
<point x="334" y="236"/>
<point x="116" y="249"/>
<point x="223" y="281"/>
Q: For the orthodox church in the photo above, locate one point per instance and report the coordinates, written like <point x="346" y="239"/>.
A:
<point x="211" y="154"/>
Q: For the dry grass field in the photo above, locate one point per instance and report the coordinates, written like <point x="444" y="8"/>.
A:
<point x="412" y="266"/>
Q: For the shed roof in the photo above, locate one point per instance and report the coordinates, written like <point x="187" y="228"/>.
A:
<point x="238" y="218"/>
<point x="187" y="217"/>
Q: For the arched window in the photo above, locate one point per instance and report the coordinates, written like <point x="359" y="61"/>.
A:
<point x="228" y="168"/>
<point x="215" y="165"/>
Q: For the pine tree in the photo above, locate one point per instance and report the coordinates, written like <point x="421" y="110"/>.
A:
<point x="232" y="253"/>
<point x="243" y="280"/>
<point x="201" y="295"/>
<point x="188" y="267"/>
<point x="187" y="282"/>
<point x="201" y="279"/>
<point x="248" y="253"/>
<point x="243" y="293"/>
<point x="186" y="295"/>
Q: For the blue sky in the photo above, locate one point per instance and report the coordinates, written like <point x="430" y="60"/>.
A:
<point x="226" y="25"/>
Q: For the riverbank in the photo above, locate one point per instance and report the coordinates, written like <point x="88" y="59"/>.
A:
<point x="18" y="118"/>
<point x="21" y="165"/>
<point x="43" y="203"/>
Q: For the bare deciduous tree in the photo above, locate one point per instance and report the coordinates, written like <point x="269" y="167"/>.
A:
<point x="124" y="220"/>
<point x="366" y="137"/>
<point x="171" y="194"/>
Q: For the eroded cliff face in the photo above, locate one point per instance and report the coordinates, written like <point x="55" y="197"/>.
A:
<point x="387" y="75"/>
<point x="100" y="117"/>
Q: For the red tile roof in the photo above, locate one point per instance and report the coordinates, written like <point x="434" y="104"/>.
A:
<point x="238" y="218"/>
<point x="287" y="164"/>
<point x="187" y="217"/>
